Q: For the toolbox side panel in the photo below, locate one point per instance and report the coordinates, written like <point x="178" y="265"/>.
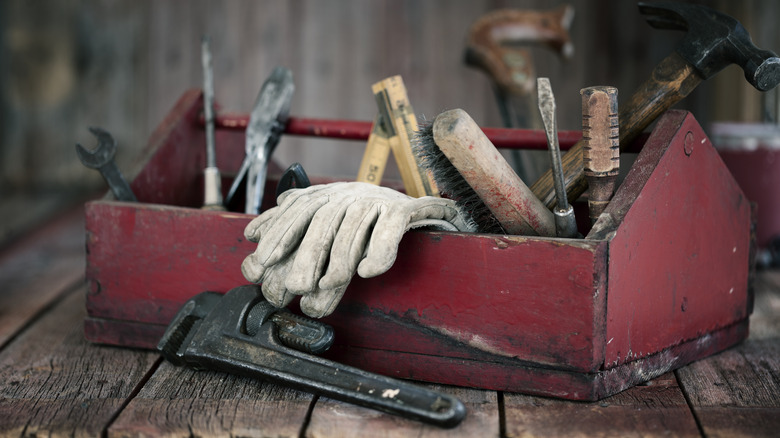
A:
<point x="144" y="261"/>
<point x="679" y="258"/>
<point x="487" y="297"/>
<point x="498" y="298"/>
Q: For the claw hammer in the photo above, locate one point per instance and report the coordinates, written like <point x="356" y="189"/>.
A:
<point x="713" y="42"/>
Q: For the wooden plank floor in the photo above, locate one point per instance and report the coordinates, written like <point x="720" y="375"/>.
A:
<point x="53" y="382"/>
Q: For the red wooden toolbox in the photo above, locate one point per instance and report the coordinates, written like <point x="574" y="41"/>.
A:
<point x="661" y="282"/>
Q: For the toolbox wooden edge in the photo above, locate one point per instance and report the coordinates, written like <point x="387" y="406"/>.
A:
<point x="502" y="376"/>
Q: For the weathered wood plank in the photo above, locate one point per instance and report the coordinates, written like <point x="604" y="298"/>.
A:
<point x="332" y="418"/>
<point x="737" y="392"/>
<point x="765" y="322"/>
<point x="37" y="269"/>
<point x="52" y="382"/>
<point x="182" y="402"/>
<point x="654" y="409"/>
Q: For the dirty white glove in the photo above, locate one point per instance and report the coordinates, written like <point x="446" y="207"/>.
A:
<point x="315" y="240"/>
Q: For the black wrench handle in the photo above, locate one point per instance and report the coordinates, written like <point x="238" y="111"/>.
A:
<point x="116" y="182"/>
<point x="237" y="334"/>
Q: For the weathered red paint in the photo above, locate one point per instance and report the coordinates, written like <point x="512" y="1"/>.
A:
<point x="681" y="254"/>
<point x="540" y="315"/>
<point x="508" y="138"/>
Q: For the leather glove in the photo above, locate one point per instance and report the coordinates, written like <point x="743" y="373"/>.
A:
<point x="317" y="238"/>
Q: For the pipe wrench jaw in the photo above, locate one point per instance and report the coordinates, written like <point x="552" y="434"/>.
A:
<point x="184" y="325"/>
<point x="241" y="333"/>
<point x="242" y="313"/>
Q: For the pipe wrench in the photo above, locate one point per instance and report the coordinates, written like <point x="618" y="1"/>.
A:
<point x="242" y="333"/>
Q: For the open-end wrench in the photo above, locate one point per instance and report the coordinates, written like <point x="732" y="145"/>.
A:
<point x="244" y="334"/>
<point x="102" y="159"/>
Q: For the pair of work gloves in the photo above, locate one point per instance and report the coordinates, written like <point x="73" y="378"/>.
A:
<point x="317" y="238"/>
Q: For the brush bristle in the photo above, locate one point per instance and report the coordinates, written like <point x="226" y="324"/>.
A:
<point x="451" y="182"/>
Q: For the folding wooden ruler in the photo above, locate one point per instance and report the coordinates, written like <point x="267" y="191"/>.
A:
<point x="393" y="128"/>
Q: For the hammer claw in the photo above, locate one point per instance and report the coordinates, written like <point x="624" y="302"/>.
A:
<point x="661" y="18"/>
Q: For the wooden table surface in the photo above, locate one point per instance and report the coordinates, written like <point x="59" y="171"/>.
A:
<point x="53" y="382"/>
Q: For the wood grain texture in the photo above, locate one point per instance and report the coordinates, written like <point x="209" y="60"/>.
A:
<point x="38" y="269"/>
<point x="53" y="382"/>
<point x="657" y="408"/>
<point x="765" y="323"/>
<point x="737" y="393"/>
<point x="334" y="419"/>
<point x="182" y="402"/>
<point x="122" y="64"/>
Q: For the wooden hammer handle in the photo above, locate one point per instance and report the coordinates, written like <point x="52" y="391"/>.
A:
<point x="670" y="82"/>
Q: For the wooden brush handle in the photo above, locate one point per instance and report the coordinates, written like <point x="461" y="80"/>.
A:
<point x="670" y="82"/>
<point x="491" y="177"/>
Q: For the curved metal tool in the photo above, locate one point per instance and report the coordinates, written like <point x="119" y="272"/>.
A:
<point x="263" y="132"/>
<point x="242" y="333"/>
<point x="102" y="159"/>
<point x="293" y="178"/>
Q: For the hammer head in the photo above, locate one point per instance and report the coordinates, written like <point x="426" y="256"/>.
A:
<point x="713" y="41"/>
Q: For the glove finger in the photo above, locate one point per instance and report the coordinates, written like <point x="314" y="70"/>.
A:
<point x="312" y="254"/>
<point x="254" y="228"/>
<point x="391" y="226"/>
<point x="322" y="302"/>
<point x="349" y="244"/>
<point x="290" y="224"/>
<point x="252" y="270"/>
<point x="273" y="286"/>
<point x="283" y="236"/>
<point x="289" y="196"/>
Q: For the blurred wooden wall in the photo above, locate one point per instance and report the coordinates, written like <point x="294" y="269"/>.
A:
<point x="121" y="65"/>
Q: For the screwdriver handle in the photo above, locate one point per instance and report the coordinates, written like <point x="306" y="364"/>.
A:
<point x="601" y="145"/>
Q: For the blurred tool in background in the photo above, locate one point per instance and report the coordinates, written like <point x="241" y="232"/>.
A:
<point x="498" y="44"/>
<point x="263" y="132"/>
<point x="212" y="181"/>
